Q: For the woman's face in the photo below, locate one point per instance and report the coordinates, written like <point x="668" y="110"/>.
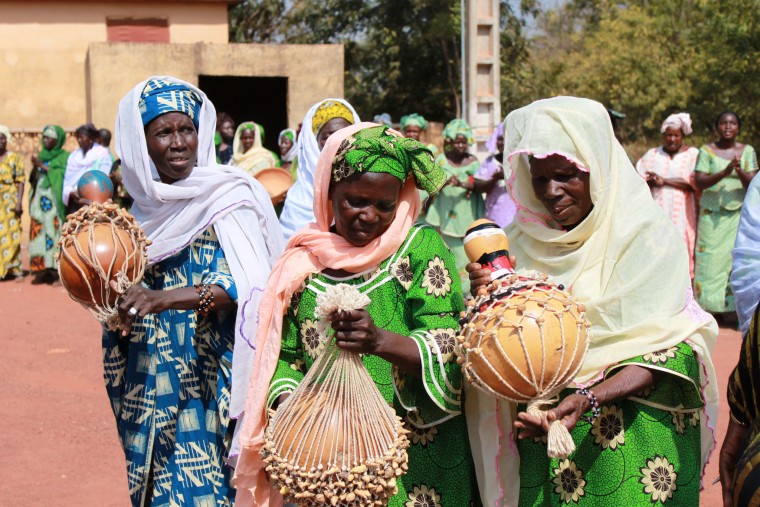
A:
<point x="412" y="132"/>
<point x="364" y="206"/>
<point x="285" y="145"/>
<point x="246" y="139"/>
<point x="460" y="145"/>
<point x="500" y="144"/>
<point x="3" y="143"/>
<point x="562" y="188"/>
<point x="85" y="141"/>
<point x="172" y="145"/>
<point x="728" y="127"/>
<point x="329" y="129"/>
<point x="672" y="139"/>
<point x="49" y="142"/>
<point x="227" y="131"/>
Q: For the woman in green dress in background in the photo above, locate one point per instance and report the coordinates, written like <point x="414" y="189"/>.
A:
<point x="724" y="170"/>
<point x="367" y="180"/>
<point x="46" y="208"/>
<point x="457" y="205"/>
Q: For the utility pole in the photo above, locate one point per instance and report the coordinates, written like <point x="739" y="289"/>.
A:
<point x="482" y="77"/>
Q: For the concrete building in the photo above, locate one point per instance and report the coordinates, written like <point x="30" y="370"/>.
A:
<point x="69" y="62"/>
<point x="482" y="104"/>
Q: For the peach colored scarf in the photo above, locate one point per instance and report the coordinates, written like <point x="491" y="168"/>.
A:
<point x="309" y="251"/>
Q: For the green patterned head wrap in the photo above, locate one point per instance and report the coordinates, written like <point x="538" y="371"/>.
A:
<point x="458" y="127"/>
<point x="376" y="150"/>
<point x="414" y="119"/>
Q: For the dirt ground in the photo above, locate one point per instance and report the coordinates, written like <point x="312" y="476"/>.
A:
<point x="58" y="443"/>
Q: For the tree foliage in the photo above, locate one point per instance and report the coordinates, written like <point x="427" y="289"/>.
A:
<point x="401" y="56"/>
<point x="649" y="58"/>
<point x="646" y="58"/>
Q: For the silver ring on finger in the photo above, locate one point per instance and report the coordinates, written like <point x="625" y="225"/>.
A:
<point x="132" y="311"/>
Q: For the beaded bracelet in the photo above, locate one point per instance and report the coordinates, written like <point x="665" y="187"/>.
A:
<point x="205" y="300"/>
<point x="591" y="397"/>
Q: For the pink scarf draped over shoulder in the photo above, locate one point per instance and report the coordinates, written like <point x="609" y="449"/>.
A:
<point x="309" y="251"/>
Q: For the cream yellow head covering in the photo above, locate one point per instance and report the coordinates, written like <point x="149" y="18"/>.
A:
<point x="625" y="261"/>
<point x="257" y="157"/>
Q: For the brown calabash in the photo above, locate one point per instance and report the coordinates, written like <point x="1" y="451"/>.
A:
<point x="321" y="435"/>
<point x="538" y="345"/>
<point x="112" y="246"/>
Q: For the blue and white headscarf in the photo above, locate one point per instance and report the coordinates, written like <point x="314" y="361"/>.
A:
<point x="161" y="96"/>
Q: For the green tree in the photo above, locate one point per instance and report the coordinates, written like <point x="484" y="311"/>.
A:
<point x="649" y="58"/>
<point x="401" y="56"/>
<point x="258" y="21"/>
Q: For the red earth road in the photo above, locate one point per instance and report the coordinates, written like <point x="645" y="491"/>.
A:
<point x="58" y="443"/>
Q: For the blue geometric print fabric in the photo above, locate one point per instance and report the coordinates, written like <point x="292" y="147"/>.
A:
<point x="160" y="96"/>
<point x="169" y="385"/>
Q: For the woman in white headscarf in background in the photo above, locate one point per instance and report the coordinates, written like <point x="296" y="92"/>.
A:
<point x="321" y="121"/>
<point x="288" y="148"/>
<point x="643" y="408"/>
<point x="177" y="373"/>
<point x="669" y="172"/>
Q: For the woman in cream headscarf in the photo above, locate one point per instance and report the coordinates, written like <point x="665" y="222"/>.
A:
<point x="585" y="218"/>
<point x="248" y="153"/>
<point x="177" y="374"/>
<point x="324" y="118"/>
<point x="669" y="171"/>
<point x="366" y="202"/>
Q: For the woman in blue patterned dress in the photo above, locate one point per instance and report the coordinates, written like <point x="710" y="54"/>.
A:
<point x="177" y="371"/>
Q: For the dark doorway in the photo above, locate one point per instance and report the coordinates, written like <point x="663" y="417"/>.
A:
<point x="260" y="99"/>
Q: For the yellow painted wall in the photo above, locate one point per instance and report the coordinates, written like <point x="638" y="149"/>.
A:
<point x="314" y="72"/>
<point x="43" y="49"/>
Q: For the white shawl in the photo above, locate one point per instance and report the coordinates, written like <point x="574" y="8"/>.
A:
<point x="745" y="276"/>
<point x="97" y="158"/>
<point x="173" y="215"/>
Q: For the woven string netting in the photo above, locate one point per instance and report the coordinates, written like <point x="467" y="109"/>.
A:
<point x="510" y="307"/>
<point x="134" y="248"/>
<point x="336" y="441"/>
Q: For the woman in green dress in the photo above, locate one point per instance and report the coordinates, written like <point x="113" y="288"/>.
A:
<point x="46" y="208"/>
<point x="366" y="181"/>
<point x="724" y="170"/>
<point x="457" y="205"/>
<point x="643" y="407"/>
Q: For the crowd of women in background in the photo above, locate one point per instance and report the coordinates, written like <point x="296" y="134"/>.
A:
<point x="565" y="199"/>
<point x="52" y="194"/>
<point x="702" y="191"/>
